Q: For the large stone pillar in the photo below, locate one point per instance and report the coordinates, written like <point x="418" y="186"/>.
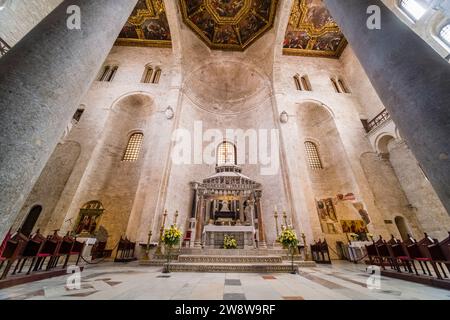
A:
<point x="410" y="78"/>
<point x="42" y="80"/>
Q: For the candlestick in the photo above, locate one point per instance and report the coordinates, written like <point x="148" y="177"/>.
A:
<point x="275" y="215"/>
<point x="285" y="219"/>
<point x="161" y="231"/>
<point x="175" y="219"/>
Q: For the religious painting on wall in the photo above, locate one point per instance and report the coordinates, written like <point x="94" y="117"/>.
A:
<point x="327" y="216"/>
<point x="354" y="226"/>
<point x="89" y="218"/>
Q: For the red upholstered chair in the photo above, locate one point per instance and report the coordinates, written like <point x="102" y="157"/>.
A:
<point x="31" y="251"/>
<point x="76" y="250"/>
<point x="11" y="252"/>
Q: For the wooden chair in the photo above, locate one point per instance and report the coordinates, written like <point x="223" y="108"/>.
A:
<point x="385" y="254"/>
<point x="440" y="254"/>
<point x="48" y="250"/>
<point x="31" y="251"/>
<point x="64" y="249"/>
<point x="12" y="251"/>
<point x="76" y="250"/>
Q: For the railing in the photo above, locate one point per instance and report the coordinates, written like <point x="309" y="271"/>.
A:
<point x="4" y="47"/>
<point x="382" y="117"/>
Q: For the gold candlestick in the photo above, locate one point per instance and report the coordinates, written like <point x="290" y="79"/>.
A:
<point x="175" y="218"/>
<point x="147" y="248"/>
<point x="161" y="231"/>
<point x="275" y="215"/>
<point x="285" y="219"/>
<point x="305" y="246"/>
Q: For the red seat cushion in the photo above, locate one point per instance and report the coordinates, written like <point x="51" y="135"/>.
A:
<point x="423" y="259"/>
<point x="41" y="255"/>
<point x="74" y="252"/>
<point x="2" y="259"/>
<point x="404" y="258"/>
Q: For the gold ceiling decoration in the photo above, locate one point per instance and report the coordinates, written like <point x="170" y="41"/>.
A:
<point x="147" y="26"/>
<point x="312" y="31"/>
<point x="229" y="24"/>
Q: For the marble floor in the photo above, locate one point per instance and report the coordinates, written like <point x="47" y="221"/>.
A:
<point x="108" y="281"/>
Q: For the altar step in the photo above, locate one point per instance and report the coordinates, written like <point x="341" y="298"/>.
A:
<point x="229" y="259"/>
<point x="235" y="267"/>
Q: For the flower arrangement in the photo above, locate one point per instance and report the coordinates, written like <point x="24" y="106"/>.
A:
<point x="370" y="236"/>
<point x="171" y="237"/>
<point x="229" y="242"/>
<point x="288" y="239"/>
<point x="354" y="236"/>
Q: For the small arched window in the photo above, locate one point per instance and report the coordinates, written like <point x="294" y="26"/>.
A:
<point x="157" y="76"/>
<point x="335" y="85"/>
<point x="226" y="154"/>
<point x="312" y="153"/>
<point x="148" y="74"/>
<point x="415" y="9"/>
<point x="306" y="85"/>
<point x="107" y="74"/>
<point x="133" y="147"/>
<point x="343" y="86"/>
<point x="444" y="34"/>
<point x="297" y="82"/>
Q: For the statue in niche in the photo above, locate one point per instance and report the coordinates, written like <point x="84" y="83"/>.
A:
<point x="225" y="207"/>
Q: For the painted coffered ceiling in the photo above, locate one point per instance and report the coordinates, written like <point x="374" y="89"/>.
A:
<point x="147" y="26"/>
<point x="312" y="31"/>
<point x="229" y="24"/>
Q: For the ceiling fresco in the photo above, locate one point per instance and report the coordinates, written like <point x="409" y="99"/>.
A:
<point x="312" y="31"/>
<point x="229" y="24"/>
<point x="147" y="26"/>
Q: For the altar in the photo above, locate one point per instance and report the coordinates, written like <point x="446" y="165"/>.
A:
<point x="214" y="236"/>
<point x="226" y="203"/>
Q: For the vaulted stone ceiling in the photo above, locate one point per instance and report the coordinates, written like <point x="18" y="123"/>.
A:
<point x="312" y="31"/>
<point x="147" y="26"/>
<point x="229" y="24"/>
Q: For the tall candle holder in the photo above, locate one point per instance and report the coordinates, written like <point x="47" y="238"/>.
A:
<point x="175" y="218"/>
<point x="147" y="247"/>
<point x="275" y="215"/>
<point x="161" y="231"/>
<point x="285" y="219"/>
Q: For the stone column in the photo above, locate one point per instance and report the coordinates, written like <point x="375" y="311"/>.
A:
<point x="262" y="234"/>
<point x="410" y="78"/>
<point x="199" y="225"/>
<point x="42" y="80"/>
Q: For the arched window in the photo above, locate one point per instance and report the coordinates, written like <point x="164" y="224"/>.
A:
<point x="444" y="34"/>
<point x="343" y="86"/>
<point x="133" y="147"/>
<point x="306" y="84"/>
<point x="226" y="154"/>
<point x="157" y="75"/>
<point x="297" y="82"/>
<point x="30" y="221"/>
<point x="107" y="74"/>
<point x="335" y="85"/>
<point x="413" y="8"/>
<point x="313" y="155"/>
<point x="148" y="74"/>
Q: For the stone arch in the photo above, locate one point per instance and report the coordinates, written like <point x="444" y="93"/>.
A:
<point x="31" y="219"/>
<point x="381" y="143"/>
